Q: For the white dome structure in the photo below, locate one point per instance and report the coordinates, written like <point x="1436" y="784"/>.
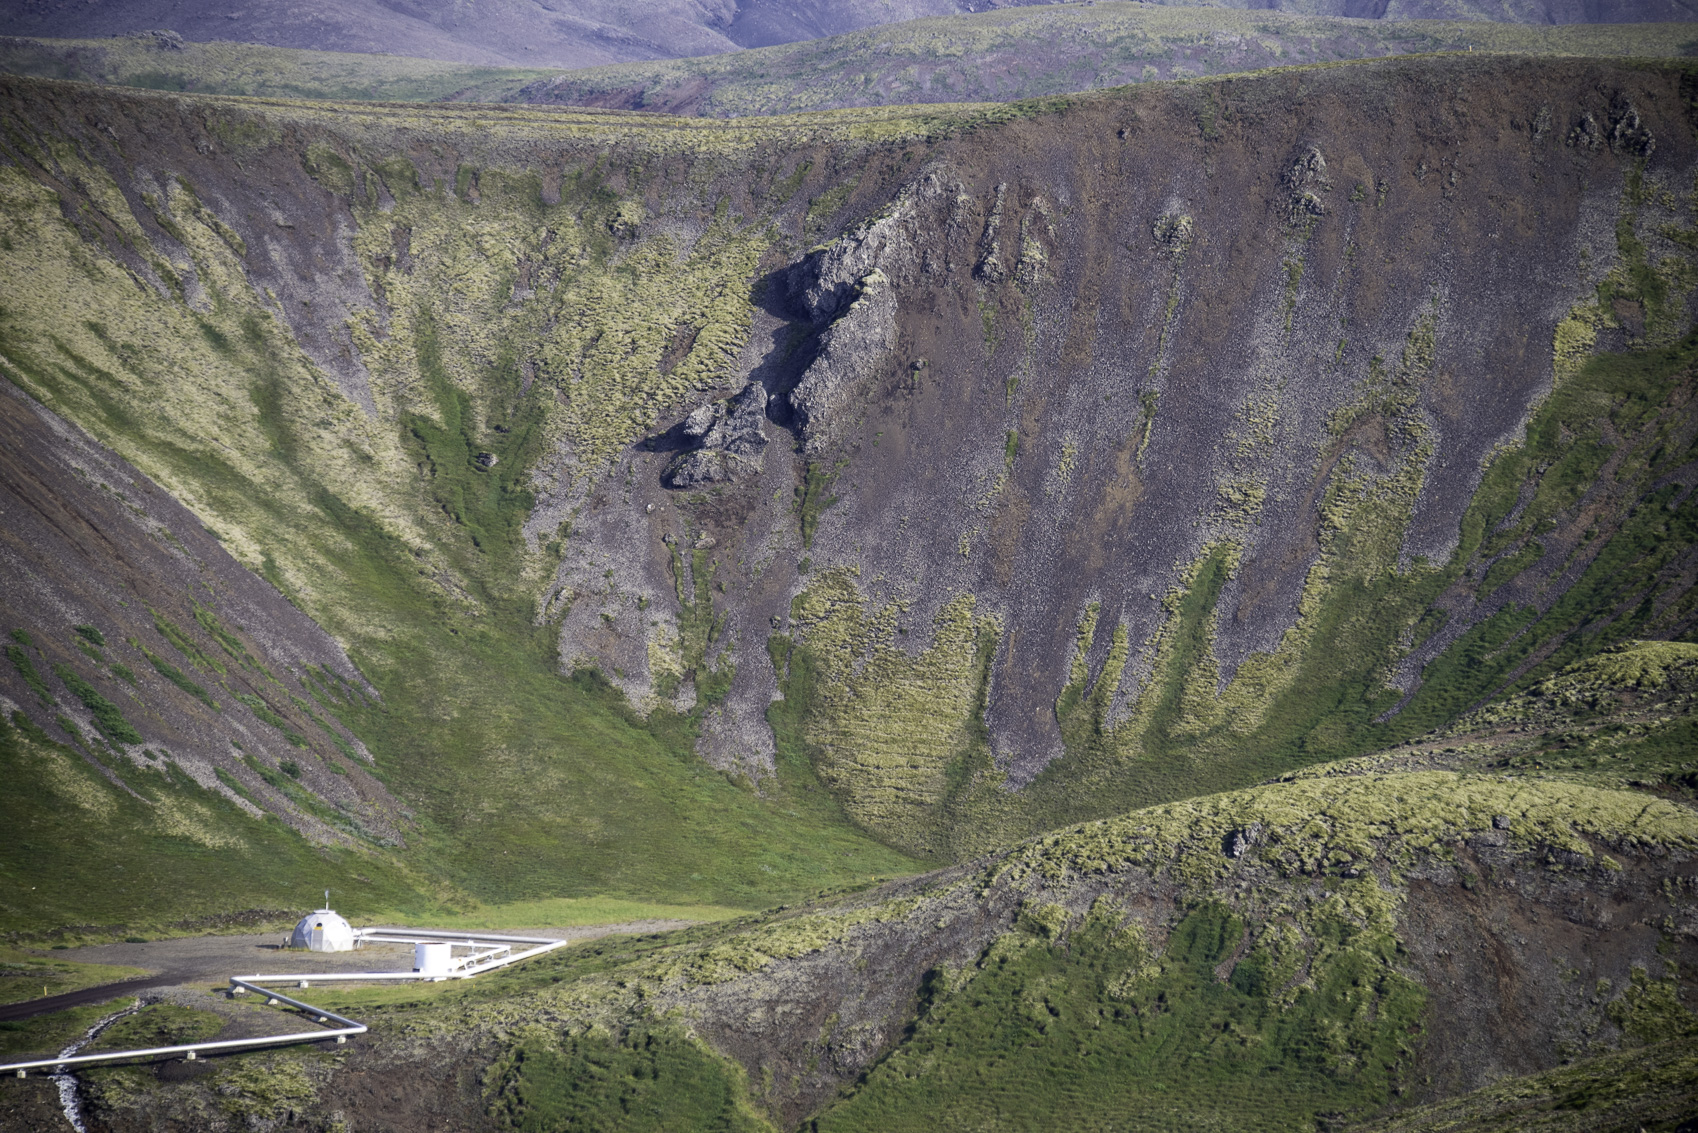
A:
<point x="323" y="930"/>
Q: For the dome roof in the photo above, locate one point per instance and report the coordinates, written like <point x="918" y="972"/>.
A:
<point x="323" y="930"/>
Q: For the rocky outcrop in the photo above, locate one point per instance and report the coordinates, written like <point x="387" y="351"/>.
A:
<point x="851" y="350"/>
<point x="729" y="439"/>
<point x="847" y="286"/>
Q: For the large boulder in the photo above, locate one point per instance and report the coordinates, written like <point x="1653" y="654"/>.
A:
<point x="729" y="441"/>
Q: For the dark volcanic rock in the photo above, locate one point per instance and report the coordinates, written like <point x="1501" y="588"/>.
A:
<point x="730" y="439"/>
<point x="852" y="349"/>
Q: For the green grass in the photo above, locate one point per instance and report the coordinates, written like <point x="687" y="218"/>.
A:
<point x="26" y="668"/>
<point x="185" y="645"/>
<point x="1621" y="719"/>
<point x="176" y="676"/>
<point x="813" y="498"/>
<point x="81" y="852"/>
<point x="1650" y="1087"/>
<point x="108" y="720"/>
<point x="263" y="711"/>
<point x="227" y="641"/>
<point x="29" y="975"/>
<point x="1093" y="1028"/>
<point x="591" y="801"/>
<point x="489" y="503"/>
<point x="559" y="912"/>
<point x="47" y="1035"/>
<point x="158" y="1024"/>
<point x="653" y="1080"/>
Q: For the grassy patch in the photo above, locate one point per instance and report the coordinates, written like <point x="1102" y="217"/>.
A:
<point x="144" y="863"/>
<point x="1647" y="1088"/>
<point x="158" y="1024"/>
<point x="27" y="975"/>
<point x="185" y="645"/>
<point x="888" y="733"/>
<point x="1094" y="1027"/>
<point x="26" y="667"/>
<point x="107" y="719"/>
<point x="263" y="710"/>
<point x="560" y="912"/>
<point x="176" y="676"/>
<point x="654" y="1080"/>
<point x="813" y="497"/>
<point x="46" y="1035"/>
<point x="227" y="641"/>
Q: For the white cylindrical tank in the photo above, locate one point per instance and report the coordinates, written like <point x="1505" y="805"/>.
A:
<point x="323" y="931"/>
<point x="432" y="957"/>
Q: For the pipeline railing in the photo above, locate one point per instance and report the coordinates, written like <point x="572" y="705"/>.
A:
<point x="344" y="1027"/>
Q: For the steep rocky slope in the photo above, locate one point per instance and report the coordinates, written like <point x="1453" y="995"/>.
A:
<point x="1115" y="449"/>
<point x="171" y="354"/>
<point x="1185" y="437"/>
<point x="145" y="597"/>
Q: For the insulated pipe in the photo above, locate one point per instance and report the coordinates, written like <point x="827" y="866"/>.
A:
<point x="239" y="984"/>
<point x="340" y="1034"/>
<point x="408" y="935"/>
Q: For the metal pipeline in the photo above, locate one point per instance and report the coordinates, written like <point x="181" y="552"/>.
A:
<point x="347" y="1027"/>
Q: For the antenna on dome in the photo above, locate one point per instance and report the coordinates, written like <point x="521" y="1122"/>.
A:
<point x="327" y="898"/>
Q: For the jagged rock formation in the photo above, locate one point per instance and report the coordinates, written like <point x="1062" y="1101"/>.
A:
<point x="729" y="438"/>
<point x="1135" y="432"/>
<point x="855" y="347"/>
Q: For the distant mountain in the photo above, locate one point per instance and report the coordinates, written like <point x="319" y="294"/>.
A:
<point x="554" y="33"/>
<point x="984" y="57"/>
<point x="590" y="33"/>
<point x="1033" y="53"/>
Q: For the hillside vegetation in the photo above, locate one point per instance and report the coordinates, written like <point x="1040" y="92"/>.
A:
<point x="1224" y="548"/>
<point x="419" y="370"/>
<point x="1303" y="955"/>
<point x="588" y="33"/>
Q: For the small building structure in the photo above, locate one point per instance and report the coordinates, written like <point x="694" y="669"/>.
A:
<point x="323" y="930"/>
